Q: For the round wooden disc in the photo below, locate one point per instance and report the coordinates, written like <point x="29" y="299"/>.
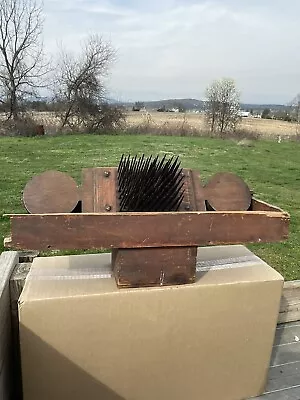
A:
<point x="51" y="192"/>
<point x="227" y="192"/>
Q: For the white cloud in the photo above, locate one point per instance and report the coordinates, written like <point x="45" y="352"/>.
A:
<point x="175" y="48"/>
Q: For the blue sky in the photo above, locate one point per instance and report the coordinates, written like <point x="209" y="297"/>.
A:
<point x="175" y="48"/>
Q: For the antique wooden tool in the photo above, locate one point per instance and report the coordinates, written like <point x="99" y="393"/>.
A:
<point x="152" y="214"/>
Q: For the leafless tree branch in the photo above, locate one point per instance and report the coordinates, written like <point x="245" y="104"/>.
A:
<point x="22" y="63"/>
<point x="80" y="87"/>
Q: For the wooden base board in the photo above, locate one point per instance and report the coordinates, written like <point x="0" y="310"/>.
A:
<point x="154" y="266"/>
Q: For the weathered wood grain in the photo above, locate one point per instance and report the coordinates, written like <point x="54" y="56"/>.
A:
<point x="287" y="333"/>
<point x="154" y="266"/>
<point x="227" y="191"/>
<point x="50" y="192"/>
<point x="98" y="190"/>
<point x="284" y="354"/>
<point x="6" y="378"/>
<point x="284" y="394"/>
<point x="137" y="230"/>
<point x="193" y="192"/>
<point x="290" y="377"/>
<point x="284" y="373"/>
<point x="8" y="261"/>
<point x="290" y="302"/>
<point x="198" y="191"/>
<point x="17" y="282"/>
<point x="259" y="205"/>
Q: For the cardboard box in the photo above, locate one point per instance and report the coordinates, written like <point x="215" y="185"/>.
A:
<point x="82" y="338"/>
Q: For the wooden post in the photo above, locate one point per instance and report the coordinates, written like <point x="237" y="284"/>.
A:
<point x="16" y="286"/>
<point x="8" y="261"/>
<point x="154" y="267"/>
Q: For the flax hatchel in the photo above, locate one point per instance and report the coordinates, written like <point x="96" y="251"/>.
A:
<point x="150" y="212"/>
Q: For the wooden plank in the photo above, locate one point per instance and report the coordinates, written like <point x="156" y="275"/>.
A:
<point x="16" y="285"/>
<point x="284" y="354"/>
<point x="137" y="230"/>
<point x="17" y="282"/>
<point x="6" y="380"/>
<point x="284" y="373"/>
<point x="287" y="333"/>
<point x="290" y="377"/>
<point x="198" y="191"/>
<point x="290" y="302"/>
<point x="259" y="205"/>
<point x="98" y="190"/>
<point x="87" y="190"/>
<point x="284" y="370"/>
<point x="8" y="261"/>
<point x="5" y="328"/>
<point x="285" y="394"/>
<point x="193" y="192"/>
<point x="27" y="256"/>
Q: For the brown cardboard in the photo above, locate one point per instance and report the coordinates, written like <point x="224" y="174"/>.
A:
<point x="82" y="338"/>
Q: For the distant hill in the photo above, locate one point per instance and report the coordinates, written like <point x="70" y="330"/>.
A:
<point x="274" y="107"/>
<point x="188" y="104"/>
<point x="194" y="104"/>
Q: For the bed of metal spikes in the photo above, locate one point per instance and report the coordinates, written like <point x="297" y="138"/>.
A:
<point x="148" y="184"/>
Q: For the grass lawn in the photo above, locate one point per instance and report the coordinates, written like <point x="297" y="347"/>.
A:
<point x="270" y="169"/>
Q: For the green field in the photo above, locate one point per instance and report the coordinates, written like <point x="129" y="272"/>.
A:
<point x="270" y="169"/>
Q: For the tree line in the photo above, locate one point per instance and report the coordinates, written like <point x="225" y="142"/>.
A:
<point x="76" y="81"/>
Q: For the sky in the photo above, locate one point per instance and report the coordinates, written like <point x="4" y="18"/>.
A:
<point x="176" y="48"/>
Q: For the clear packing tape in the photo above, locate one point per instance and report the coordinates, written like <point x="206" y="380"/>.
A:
<point x="70" y="270"/>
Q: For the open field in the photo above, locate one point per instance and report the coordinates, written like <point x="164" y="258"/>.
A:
<point x="180" y="124"/>
<point x="263" y="127"/>
<point x="269" y="168"/>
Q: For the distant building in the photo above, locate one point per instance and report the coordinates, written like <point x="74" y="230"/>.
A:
<point x="244" y="114"/>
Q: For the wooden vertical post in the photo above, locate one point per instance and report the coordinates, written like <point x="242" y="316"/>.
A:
<point x="8" y="261"/>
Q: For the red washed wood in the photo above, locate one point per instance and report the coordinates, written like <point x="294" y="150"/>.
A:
<point x="138" y="230"/>
<point x="51" y="192"/>
<point x="98" y="190"/>
<point x="154" y="266"/>
<point x="227" y="192"/>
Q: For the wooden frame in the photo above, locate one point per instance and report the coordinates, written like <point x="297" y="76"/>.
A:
<point x="150" y="249"/>
<point x="141" y="230"/>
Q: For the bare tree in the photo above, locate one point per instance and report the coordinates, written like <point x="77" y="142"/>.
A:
<point x="22" y="66"/>
<point x="295" y="112"/>
<point x="80" y="90"/>
<point x="222" y="105"/>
